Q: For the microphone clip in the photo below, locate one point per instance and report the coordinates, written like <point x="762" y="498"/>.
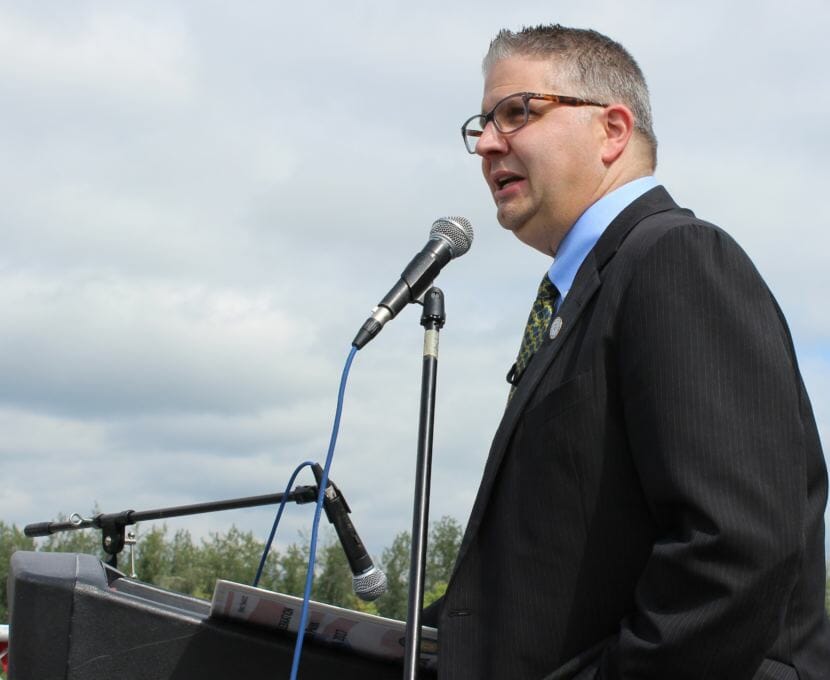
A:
<point x="332" y="495"/>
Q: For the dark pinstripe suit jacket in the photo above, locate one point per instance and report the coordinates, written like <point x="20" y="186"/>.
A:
<point x="652" y="506"/>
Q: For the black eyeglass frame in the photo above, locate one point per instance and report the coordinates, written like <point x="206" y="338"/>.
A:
<point x="485" y="118"/>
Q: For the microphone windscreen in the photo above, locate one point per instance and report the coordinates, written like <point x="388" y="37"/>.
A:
<point x="370" y="585"/>
<point x="457" y="231"/>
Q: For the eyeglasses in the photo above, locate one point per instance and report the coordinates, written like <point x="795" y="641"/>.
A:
<point x="511" y="114"/>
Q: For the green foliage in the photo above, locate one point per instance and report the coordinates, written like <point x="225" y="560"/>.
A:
<point x="395" y="562"/>
<point x="86" y="541"/>
<point x="293" y="565"/>
<point x="442" y="547"/>
<point x="233" y="556"/>
<point x="435" y="593"/>
<point x="152" y="554"/>
<point x="12" y="539"/>
<point x="444" y="541"/>
<point x="333" y="578"/>
<point x="827" y="591"/>
<point x="171" y="564"/>
<point x="178" y="564"/>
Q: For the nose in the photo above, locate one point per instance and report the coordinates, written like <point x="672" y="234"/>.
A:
<point x="491" y="141"/>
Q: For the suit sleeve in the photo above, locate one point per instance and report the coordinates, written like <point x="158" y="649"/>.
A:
<point x="710" y="393"/>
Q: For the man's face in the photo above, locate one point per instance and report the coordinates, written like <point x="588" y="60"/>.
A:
<point x="545" y="175"/>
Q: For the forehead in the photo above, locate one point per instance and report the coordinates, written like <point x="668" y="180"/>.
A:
<point x="519" y="74"/>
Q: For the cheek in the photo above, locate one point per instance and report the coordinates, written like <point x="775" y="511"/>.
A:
<point x="485" y="173"/>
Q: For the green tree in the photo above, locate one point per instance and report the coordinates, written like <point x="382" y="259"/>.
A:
<point x="183" y="564"/>
<point x="442" y="549"/>
<point x="153" y="554"/>
<point x="292" y="570"/>
<point x="435" y="592"/>
<point x="12" y="539"/>
<point x="395" y="563"/>
<point x="180" y="565"/>
<point x="232" y="556"/>
<point x="827" y="591"/>
<point x="87" y="541"/>
<point x="332" y="577"/>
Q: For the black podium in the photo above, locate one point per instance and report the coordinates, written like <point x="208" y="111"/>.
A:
<point x="74" y="618"/>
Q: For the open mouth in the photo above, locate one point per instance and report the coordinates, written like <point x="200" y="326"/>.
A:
<point x="509" y="179"/>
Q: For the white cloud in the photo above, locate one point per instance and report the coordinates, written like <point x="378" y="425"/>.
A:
<point x="102" y="52"/>
<point x="93" y="345"/>
<point x="201" y="206"/>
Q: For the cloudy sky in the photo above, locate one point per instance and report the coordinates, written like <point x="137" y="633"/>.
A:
<point x="201" y="202"/>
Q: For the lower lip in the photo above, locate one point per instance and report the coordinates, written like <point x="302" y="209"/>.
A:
<point x="508" y="190"/>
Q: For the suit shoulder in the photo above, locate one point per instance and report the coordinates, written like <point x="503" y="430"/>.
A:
<point x="679" y="233"/>
<point x="676" y="223"/>
<point x="674" y="250"/>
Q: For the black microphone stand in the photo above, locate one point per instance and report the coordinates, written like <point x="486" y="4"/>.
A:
<point x="112" y="525"/>
<point x="432" y="319"/>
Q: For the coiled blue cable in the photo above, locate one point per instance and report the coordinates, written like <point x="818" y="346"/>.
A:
<point x="284" y="500"/>
<point x="309" y="579"/>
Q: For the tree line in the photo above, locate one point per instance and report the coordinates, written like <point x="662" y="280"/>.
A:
<point x="177" y="562"/>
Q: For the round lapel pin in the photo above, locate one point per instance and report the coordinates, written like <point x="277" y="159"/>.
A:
<point x="555" y="327"/>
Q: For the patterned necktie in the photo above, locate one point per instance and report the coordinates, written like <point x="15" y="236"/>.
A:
<point x="537" y="325"/>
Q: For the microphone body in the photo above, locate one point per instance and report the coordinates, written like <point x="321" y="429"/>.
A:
<point x="450" y="237"/>
<point x="368" y="581"/>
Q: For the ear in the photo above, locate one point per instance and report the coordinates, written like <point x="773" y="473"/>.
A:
<point x="618" y="126"/>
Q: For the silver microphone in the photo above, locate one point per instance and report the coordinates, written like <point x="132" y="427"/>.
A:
<point x="450" y="237"/>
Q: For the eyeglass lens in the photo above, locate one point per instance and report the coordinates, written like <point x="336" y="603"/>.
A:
<point x="509" y="115"/>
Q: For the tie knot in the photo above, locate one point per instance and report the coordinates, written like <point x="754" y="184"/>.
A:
<point x="536" y="328"/>
<point x="547" y="291"/>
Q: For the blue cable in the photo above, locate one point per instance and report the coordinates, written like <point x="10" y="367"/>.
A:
<point x="298" y="647"/>
<point x="284" y="500"/>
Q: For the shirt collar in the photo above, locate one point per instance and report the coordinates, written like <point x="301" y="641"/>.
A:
<point x="586" y="231"/>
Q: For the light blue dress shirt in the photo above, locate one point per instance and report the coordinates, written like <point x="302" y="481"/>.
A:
<point x="588" y="228"/>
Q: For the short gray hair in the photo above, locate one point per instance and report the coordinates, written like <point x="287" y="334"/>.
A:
<point x="598" y="67"/>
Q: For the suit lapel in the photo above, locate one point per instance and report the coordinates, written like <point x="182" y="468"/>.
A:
<point x="588" y="280"/>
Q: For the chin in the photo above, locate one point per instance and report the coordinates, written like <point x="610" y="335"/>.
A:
<point x="509" y="221"/>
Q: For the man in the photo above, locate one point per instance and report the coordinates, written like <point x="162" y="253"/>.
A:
<point x="652" y="505"/>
